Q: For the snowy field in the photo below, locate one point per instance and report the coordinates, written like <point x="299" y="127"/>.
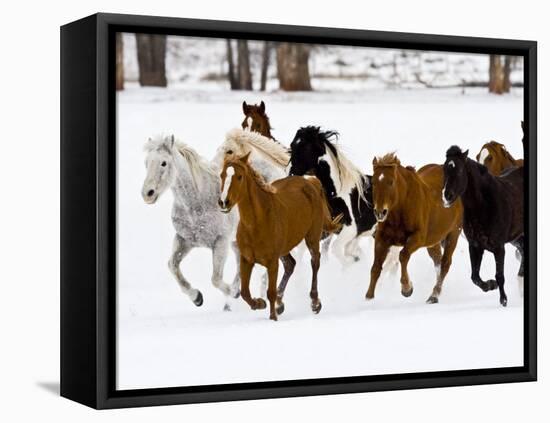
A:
<point x="165" y="340"/>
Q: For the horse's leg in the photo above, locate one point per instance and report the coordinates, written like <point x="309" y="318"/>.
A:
<point x="288" y="263"/>
<point x="444" y="264"/>
<point x="325" y="246"/>
<point x="518" y="243"/>
<point x="180" y="249"/>
<point x="410" y="247"/>
<point x="236" y="285"/>
<point x="381" y="249"/>
<point x="313" y="246"/>
<point x="499" y="260"/>
<point x="219" y="256"/>
<point x="272" y="270"/>
<point x="352" y="249"/>
<point x="338" y="247"/>
<point x="246" y="271"/>
<point x="476" y="255"/>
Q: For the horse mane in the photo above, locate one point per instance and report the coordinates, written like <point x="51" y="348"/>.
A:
<point x="389" y="159"/>
<point x="273" y="152"/>
<point x="350" y="175"/>
<point x="197" y="164"/>
<point x="259" y="179"/>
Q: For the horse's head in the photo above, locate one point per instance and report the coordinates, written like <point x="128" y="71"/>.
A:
<point x="495" y="157"/>
<point x="307" y="147"/>
<point x="231" y="149"/>
<point x="233" y="182"/>
<point x="160" y="167"/>
<point x="255" y="119"/>
<point x="385" y="188"/>
<point x="455" y="176"/>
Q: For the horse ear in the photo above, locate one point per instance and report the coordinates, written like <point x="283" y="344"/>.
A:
<point x="244" y="158"/>
<point x="465" y="154"/>
<point x="172" y="141"/>
<point x="262" y="107"/>
<point x="374" y="161"/>
<point x="245" y="108"/>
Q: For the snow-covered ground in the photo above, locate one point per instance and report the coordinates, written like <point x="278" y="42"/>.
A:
<point x="164" y="340"/>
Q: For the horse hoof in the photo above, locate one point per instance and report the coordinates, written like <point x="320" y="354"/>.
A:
<point x="260" y="304"/>
<point x="504" y="301"/>
<point x="316" y="307"/>
<point x="280" y="308"/>
<point x="199" y="300"/>
<point x="356" y="259"/>
<point x="432" y="300"/>
<point x="236" y="293"/>
<point x="369" y="296"/>
<point x="408" y="293"/>
<point x="491" y="285"/>
<point x="273" y="317"/>
<point x="226" y="307"/>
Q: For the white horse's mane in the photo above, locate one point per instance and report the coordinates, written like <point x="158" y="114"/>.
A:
<point x="269" y="149"/>
<point x="350" y="175"/>
<point x="197" y="164"/>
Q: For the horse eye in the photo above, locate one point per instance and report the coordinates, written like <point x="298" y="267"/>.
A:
<point x="163" y="164"/>
<point x="489" y="158"/>
<point x="240" y="177"/>
<point x="229" y="152"/>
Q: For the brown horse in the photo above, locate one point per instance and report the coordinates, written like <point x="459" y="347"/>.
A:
<point x="496" y="158"/>
<point x="256" y="120"/>
<point x="274" y="218"/>
<point x="410" y="213"/>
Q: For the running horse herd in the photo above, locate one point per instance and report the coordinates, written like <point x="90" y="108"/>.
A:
<point x="269" y="202"/>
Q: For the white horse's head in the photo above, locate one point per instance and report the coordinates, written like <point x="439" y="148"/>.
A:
<point x="231" y="149"/>
<point x="160" y="167"/>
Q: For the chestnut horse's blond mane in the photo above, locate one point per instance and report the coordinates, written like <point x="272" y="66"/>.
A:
<point x="267" y="148"/>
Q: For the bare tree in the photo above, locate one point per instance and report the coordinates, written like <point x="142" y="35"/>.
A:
<point x="243" y="65"/>
<point x="151" y="54"/>
<point x="265" y="65"/>
<point x="499" y="74"/>
<point x="119" y="84"/>
<point x="231" y="67"/>
<point x="507" y="84"/>
<point x="293" y="67"/>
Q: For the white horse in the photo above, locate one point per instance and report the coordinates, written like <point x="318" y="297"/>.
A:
<point x="196" y="217"/>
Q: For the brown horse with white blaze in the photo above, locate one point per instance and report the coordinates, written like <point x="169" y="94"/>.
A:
<point x="256" y="119"/>
<point x="274" y="218"/>
<point x="410" y="213"/>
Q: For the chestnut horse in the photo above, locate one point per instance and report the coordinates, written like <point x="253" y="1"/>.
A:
<point x="410" y="213"/>
<point x="496" y="158"/>
<point x="256" y="120"/>
<point x="274" y="218"/>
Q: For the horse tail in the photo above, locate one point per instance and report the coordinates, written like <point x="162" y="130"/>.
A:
<point x="330" y="225"/>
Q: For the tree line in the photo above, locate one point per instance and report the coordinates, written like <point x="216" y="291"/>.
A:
<point x="291" y="61"/>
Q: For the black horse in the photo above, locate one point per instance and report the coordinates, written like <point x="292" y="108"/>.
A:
<point x="493" y="212"/>
<point x="348" y="190"/>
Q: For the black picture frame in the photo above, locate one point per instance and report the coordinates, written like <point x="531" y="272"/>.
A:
<point x="88" y="194"/>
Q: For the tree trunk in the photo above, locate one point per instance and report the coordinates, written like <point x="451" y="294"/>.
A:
<point x="506" y="83"/>
<point x="151" y="52"/>
<point x="293" y="67"/>
<point x="265" y="65"/>
<point x="496" y="74"/>
<point x="243" y="65"/>
<point x="119" y="84"/>
<point x="231" y="67"/>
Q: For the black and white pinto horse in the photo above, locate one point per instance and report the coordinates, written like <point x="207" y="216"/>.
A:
<point x="348" y="190"/>
<point x="493" y="212"/>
